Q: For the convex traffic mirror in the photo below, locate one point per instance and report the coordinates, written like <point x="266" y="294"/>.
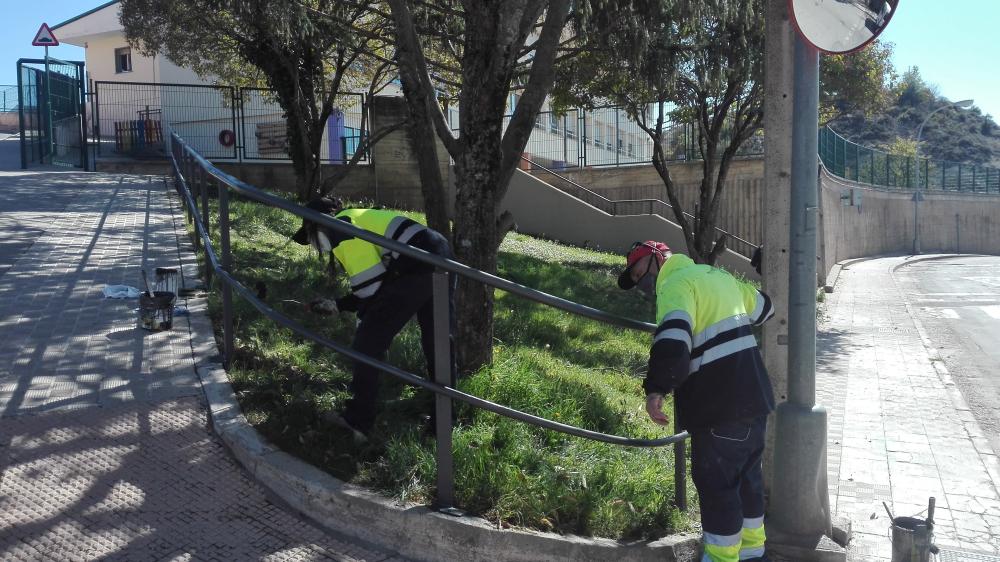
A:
<point x="841" y="26"/>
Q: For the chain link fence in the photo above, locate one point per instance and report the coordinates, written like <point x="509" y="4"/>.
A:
<point x="854" y="162"/>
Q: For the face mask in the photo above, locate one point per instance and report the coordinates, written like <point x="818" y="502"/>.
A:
<point x="321" y="242"/>
<point x="647" y="283"/>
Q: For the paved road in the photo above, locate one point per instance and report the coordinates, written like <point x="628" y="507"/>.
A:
<point x="105" y="448"/>
<point x="899" y="431"/>
<point x="958" y="302"/>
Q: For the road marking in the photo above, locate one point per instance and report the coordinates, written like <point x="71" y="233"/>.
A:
<point x="993" y="311"/>
<point x="992" y="281"/>
<point x="949" y="313"/>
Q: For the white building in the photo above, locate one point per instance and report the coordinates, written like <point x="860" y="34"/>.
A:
<point x="140" y="100"/>
<point x="109" y="56"/>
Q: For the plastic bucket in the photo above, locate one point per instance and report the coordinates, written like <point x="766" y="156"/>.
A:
<point x="156" y="312"/>
<point x="912" y="540"/>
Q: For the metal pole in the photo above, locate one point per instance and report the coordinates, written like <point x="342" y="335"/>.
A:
<point x="618" y="154"/>
<point x="680" y="471"/>
<point x="227" y="291"/>
<point x="193" y="189"/>
<point x="20" y="115"/>
<point x="203" y="188"/>
<point x="83" y="118"/>
<point x="442" y="404"/>
<point x="48" y="103"/>
<point x="802" y="276"/>
<point x="800" y="504"/>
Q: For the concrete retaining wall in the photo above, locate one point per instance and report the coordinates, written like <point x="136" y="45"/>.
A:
<point x="543" y="210"/>
<point x="883" y="224"/>
<point x="743" y="194"/>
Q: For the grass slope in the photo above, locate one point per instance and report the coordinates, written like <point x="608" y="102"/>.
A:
<point x="547" y="363"/>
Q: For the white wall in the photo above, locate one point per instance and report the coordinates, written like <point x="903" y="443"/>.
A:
<point x="100" y="55"/>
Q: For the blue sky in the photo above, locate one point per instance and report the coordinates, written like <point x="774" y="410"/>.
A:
<point x="955" y="44"/>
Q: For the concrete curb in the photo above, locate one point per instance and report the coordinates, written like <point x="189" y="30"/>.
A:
<point x="957" y="399"/>
<point x="910" y="260"/>
<point x="413" y="531"/>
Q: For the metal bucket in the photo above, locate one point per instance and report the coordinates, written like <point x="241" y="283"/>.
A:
<point x="156" y="312"/>
<point x="912" y="539"/>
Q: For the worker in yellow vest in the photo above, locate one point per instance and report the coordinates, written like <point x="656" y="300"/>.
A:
<point x="387" y="289"/>
<point x="705" y="353"/>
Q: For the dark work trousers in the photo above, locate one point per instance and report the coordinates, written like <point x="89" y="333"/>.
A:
<point x="726" y="469"/>
<point x="405" y="292"/>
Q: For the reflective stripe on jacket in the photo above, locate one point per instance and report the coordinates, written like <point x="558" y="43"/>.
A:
<point x="704" y="349"/>
<point x="362" y="260"/>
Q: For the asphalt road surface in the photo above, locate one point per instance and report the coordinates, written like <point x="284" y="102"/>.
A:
<point x="958" y="302"/>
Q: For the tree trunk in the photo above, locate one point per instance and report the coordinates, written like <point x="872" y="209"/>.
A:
<point x="425" y="145"/>
<point x="478" y="171"/>
<point x="475" y="246"/>
<point x="303" y="149"/>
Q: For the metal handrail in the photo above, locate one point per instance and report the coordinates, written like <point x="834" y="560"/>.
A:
<point x="614" y="202"/>
<point x="221" y="269"/>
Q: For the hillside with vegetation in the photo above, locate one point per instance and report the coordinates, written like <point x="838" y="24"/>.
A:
<point x="956" y="135"/>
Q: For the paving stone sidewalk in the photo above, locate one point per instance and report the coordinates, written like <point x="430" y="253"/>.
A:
<point x="105" y="449"/>
<point x="899" y="429"/>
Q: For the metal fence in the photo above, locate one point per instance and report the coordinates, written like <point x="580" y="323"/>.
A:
<point x="136" y="119"/>
<point x="8" y="98"/>
<point x="51" y="118"/>
<point x="263" y="128"/>
<point x="854" y="162"/>
<point x="608" y="137"/>
<point x="197" y="178"/>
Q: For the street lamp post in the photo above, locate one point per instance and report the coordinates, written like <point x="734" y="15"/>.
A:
<point x="918" y="193"/>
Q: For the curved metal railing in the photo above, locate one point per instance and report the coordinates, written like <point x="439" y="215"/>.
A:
<point x="193" y="173"/>
<point x="636" y="207"/>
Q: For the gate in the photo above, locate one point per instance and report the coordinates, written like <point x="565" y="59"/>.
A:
<point x="51" y="116"/>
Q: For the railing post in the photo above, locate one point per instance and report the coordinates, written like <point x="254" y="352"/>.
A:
<point x="680" y="470"/>
<point x="565" y="143"/>
<point x="443" y="375"/>
<point x="203" y="188"/>
<point x="618" y="154"/>
<point x="227" y="291"/>
<point x="192" y="187"/>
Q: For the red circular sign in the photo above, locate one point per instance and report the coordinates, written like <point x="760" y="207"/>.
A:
<point x="227" y="138"/>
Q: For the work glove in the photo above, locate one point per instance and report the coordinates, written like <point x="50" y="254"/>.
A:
<point x="325" y="307"/>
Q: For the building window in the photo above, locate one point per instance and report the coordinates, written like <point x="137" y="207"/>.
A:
<point x="123" y="60"/>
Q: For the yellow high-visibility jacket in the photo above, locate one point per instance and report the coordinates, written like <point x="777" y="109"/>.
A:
<point x="703" y="349"/>
<point x="362" y="260"/>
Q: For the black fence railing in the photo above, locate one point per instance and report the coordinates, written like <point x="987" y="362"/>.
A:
<point x="195" y="177"/>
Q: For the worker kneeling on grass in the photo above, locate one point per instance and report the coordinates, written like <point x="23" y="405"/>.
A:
<point x="704" y="352"/>
<point x="387" y="289"/>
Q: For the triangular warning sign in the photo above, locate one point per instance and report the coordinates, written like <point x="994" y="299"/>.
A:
<point x="44" y="37"/>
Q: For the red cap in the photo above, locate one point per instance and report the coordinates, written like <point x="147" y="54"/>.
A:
<point x="639" y="250"/>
